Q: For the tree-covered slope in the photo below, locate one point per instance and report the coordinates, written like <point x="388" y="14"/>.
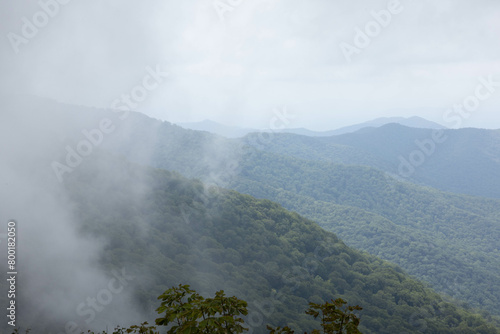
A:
<point x="464" y="229"/>
<point x="465" y="161"/>
<point x="368" y="209"/>
<point x="153" y="229"/>
<point x="178" y="230"/>
<point x="448" y="240"/>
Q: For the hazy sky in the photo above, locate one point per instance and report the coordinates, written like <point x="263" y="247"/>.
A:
<point x="263" y="54"/>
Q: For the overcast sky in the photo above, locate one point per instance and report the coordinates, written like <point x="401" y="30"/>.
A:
<point x="237" y="63"/>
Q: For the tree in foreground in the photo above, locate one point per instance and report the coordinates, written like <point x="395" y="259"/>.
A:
<point x="186" y="312"/>
<point x="191" y="313"/>
<point x="336" y="318"/>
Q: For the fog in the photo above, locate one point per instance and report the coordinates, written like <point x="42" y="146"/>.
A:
<point x="59" y="279"/>
<point x="184" y="61"/>
<point x="234" y="64"/>
<point x="64" y="280"/>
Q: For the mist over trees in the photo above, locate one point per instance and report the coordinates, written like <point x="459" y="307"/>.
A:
<point x="263" y="165"/>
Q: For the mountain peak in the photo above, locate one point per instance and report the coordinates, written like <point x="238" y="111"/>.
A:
<point x="235" y="132"/>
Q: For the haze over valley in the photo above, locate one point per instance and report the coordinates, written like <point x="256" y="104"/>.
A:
<point x="293" y="154"/>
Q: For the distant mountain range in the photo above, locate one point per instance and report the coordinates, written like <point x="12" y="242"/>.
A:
<point x="343" y="182"/>
<point x="218" y="128"/>
<point x="464" y="160"/>
<point x="236" y="132"/>
<point x="165" y="229"/>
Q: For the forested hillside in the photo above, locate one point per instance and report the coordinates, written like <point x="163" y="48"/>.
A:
<point x="464" y="161"/>
<point x="170" y="230"/>
<point x="259" y="167"/>
<point x="452" y="236"/>
<point x="448" y="240"/>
